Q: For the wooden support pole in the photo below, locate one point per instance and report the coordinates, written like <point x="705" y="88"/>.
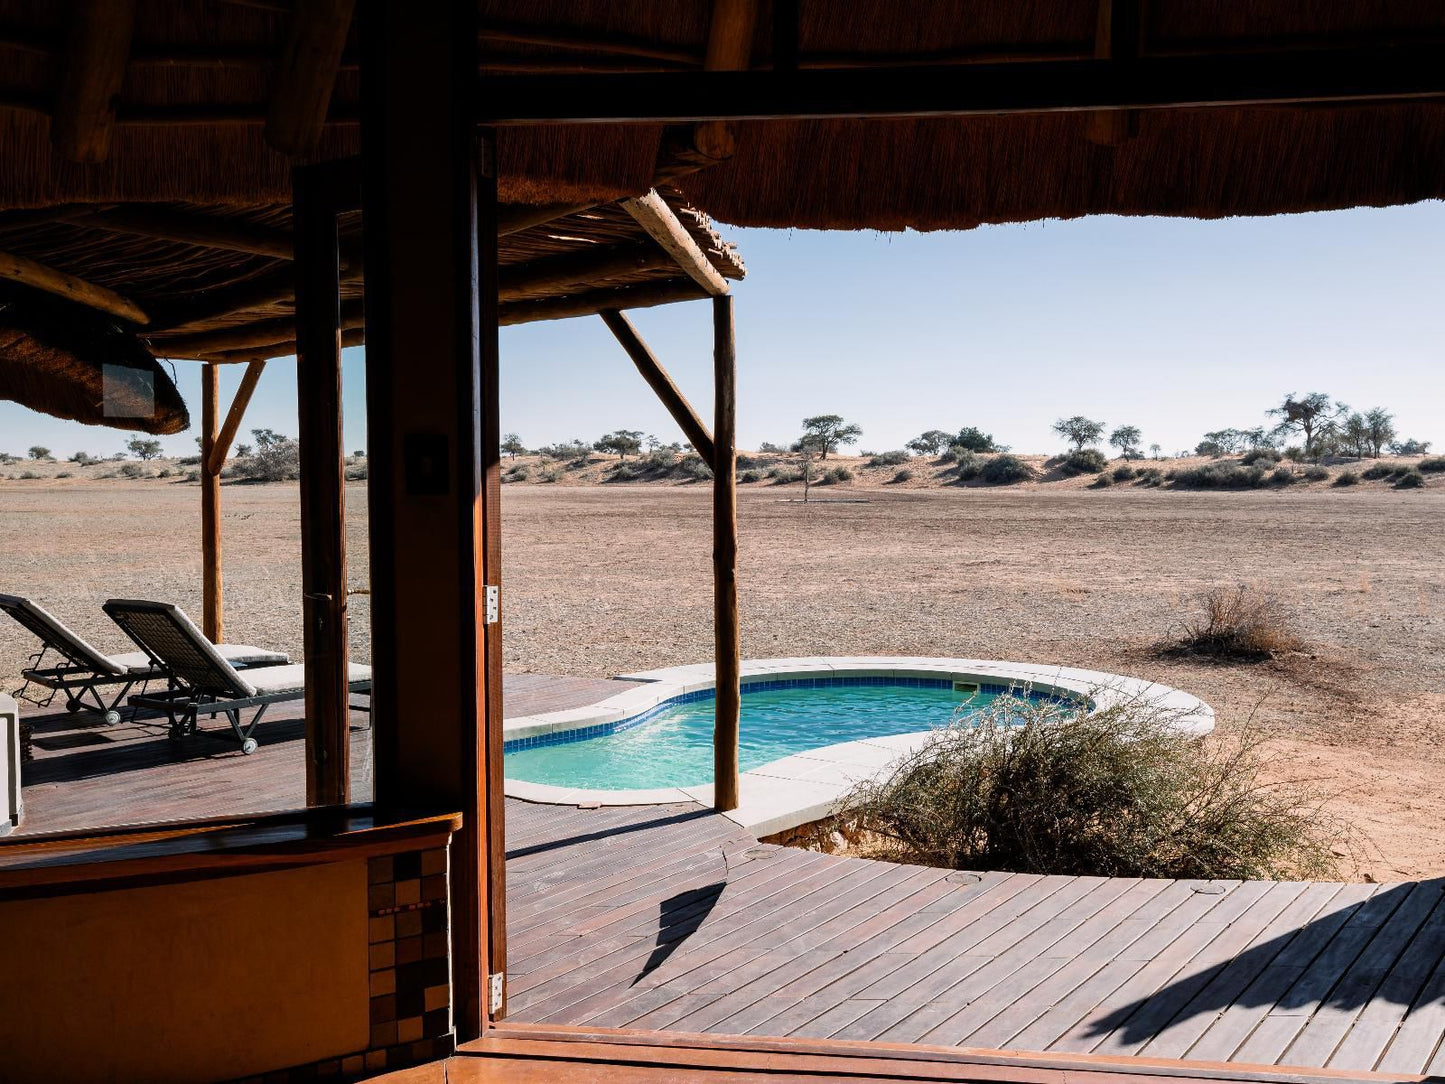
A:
<point x="301" y="83"/>
<point x="221" y="446"/>
<point x="211" y="602"/>
<point x="658" y="379"/>
<point x="727" y="648"/>
<point x="1116" y="38"/>
<point x="323" y="491"/>
<point x="91" y="74"/>
<point x="426" y="322"/>
<point x="652" y="213"/>
<point x="41" y="277"/>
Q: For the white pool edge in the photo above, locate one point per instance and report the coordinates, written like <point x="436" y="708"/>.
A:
<point x="811" y="786"/>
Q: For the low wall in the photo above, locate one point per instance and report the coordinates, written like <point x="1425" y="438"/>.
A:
<point x="150" y="959"/>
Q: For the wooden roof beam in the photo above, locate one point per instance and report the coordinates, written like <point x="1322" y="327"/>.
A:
<point x="652" y="213"/>
<point x="349" y="337"/>
<point x="42" y="277"/>
<point x="594" y="301"/>
<point x="1333" y="76"/>
<point x="564" y="274"/>
<point x="91" y="74"/>
<point x="301" y="83"/>
<point x="570" y="40"/>
<point x="280" y="329"/>
<point x="729" y="48"/>
<point x="1117" y="38"/>
<point x="203" y="230"/>
<point x="658" y="379"/>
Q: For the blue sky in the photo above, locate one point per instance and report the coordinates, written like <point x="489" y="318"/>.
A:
<point x="1176" y="326"/>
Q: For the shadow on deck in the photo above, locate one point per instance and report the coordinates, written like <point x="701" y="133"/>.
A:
<point x="673" y="918"/>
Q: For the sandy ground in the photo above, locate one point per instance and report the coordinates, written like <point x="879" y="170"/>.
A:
<point x="607" y="579"/>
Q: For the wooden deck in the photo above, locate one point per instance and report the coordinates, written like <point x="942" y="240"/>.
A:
<point x="672" y="918"/>
<point x="86" y="774"/>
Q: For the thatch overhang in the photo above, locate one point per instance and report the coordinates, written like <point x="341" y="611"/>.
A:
<point x="199" y="76"/>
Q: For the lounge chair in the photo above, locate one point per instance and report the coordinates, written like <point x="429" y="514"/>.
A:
<point x="86" y="676"/>
<point x="201" y="680"/>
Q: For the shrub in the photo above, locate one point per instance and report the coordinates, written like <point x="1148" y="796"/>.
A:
<point x="1236" y="623"/>
<point x="1104" y="481"/>
<point x="1027" y="787"/>
<point x="133" y="470"/>
<point x="358" y="473"/>
<point x="903" y="476"/>
<point x="28" y="475"/>
<point x="1347" y="478"/>
<point x="553" y="475"/>
<point x="769" y="448"/>
<point x="1316" y="474"/>
<point x="276" y="459"/>
<point x="1004" y="470"/>
<point x="1266" y="457"/>
<point x="746" y="462"/>
<point x="750" y="476"/>
<point x="1151" y="476"/>
<point x="785" y="477"/>
<point x="1432" y="464"/>
<point x="1084" y="461"/>
<point x="968" y="465"/>
<point x="836" y="475"/>
<point x="1376" y="471"/>
<point x="623" y="472"/>
<point x="1411" y="479"/>
<point x="164" y="472"/>
<point x="1125" y="473"/>
<point x="1219" y="476"/>
<point x="889" y="459"/>
<point x="694" y="469"/>
<point x="67" y="474"/>
<point x="1282" y="476"/>
<point x="519" y="473"/>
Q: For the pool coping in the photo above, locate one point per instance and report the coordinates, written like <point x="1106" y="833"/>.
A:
<point x="810" y="786"/>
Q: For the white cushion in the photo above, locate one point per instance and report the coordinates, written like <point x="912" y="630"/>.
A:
<point x="137" y="662"/>
<point x="273" y="680"/>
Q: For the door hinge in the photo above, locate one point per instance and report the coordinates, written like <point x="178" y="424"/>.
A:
<point x="494" y="604"/>
<point x="495" y="985"/>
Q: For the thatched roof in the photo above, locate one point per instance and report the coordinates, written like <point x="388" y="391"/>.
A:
<point x="196" y="85"/>
<point x="83" y="367"/>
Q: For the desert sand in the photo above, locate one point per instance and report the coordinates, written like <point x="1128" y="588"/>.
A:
<point x="601" y="580"/>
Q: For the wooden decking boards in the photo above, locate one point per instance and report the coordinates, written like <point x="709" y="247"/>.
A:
<point x="672" y="918"/>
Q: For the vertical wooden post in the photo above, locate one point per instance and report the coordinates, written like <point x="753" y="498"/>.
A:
<point x="425" y="400"/>
<point x="489" y="692"/>
<point x="725" y="557"/>
<point x="323" y="493"/>
<point x="211" y="616"/>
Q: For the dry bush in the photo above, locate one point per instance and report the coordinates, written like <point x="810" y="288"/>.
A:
<point x="1032" y="788"/>
<point x="1237" y="623"/>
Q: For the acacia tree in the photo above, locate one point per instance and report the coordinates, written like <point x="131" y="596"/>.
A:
<point x="512" y="445"/>
<point x="623" y="442"/>
<point x="143" y="449"/>
<point x="1309" y="415"/>
<point x="39" y="451"/>
<point x="824" y="433"/>
<point x="1126" y="438"/>
<point x="1380" y="425"/>
<point x="976" y="440"/>
<point x="1079" y="431"/>
<point x="1354" y="434"/>
<point x="1154" y="450"/>
<point x="930" y="443"/>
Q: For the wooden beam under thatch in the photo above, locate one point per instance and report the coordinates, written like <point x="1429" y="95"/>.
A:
<point x="729" y="47"/>
<point x="24" y="270"/>
<point x="281" y="329"/>
<point x="1116" y="38"/>
<point x="274" y="288"/>
<point x="301" y="84"/>
<point x="652" y="213"/>
<point x="594" y="301"/>
<point x="618" y="44"/>
<point x="206" y="231"/>
<point x="353" y="337"/>
<point x="91" y="74"/>
<point x="539" y="279"/>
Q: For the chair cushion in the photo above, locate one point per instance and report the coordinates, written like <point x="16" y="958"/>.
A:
<point x="277" y="680"/>
<point x="138" y="662"/>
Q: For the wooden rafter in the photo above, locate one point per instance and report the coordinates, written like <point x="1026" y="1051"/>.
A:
<point x="652" y="213"/>
<point x="274" y="288"/>
<point x="594" y="301"/>
<point x="662" y="384"/>
<point x="207" y="231"/>
<point x="301" y="84"/>
<point x="91" y="74"/>
<point x="42" y="277"/>
<point x="1117" y="38"/>
<point x="729" y="48"/>
<point x="616" y="44"/>
<point x="221" y="445"/>
<point x="354" y="337"/>
<point x="262" y="333"/>
<point x="572" y="271"/>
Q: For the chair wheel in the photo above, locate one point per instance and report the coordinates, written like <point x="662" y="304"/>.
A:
<point x="112" y="718"/>
<point x="72" y="705"/>
<point x="248" y="746"/>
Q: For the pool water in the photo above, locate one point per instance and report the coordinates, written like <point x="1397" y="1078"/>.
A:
<point x="673" y="746"/>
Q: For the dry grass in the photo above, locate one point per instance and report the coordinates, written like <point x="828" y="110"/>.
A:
<point x="1033" y="788"/>
<point x="1237" y="623"/>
